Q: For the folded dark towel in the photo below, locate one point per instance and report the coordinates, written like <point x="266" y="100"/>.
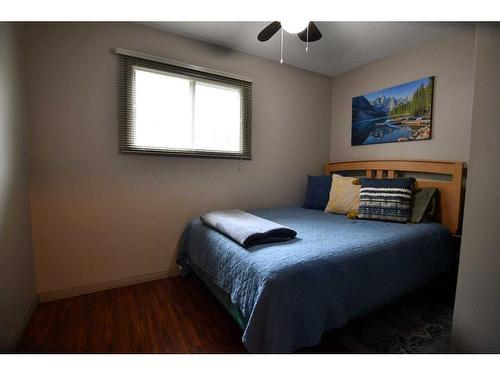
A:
<point x="246" y="229"/>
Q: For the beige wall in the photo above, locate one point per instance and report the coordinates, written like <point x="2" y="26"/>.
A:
<point x="17" y="274"/>
<point x="98" y="215"/>
<point x="451" y="60"/>
<point x="476" y="321"/>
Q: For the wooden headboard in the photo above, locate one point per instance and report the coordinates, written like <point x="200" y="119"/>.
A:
<point x="444" y="175"/>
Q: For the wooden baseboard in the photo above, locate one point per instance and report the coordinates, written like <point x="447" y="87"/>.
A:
<point x="106" y="285"/>
<point x="22" y="327"/>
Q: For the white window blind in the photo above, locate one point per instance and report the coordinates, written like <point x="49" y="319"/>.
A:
<point x="177" y="110"/>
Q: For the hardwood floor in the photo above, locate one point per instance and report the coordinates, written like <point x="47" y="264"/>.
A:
<point x="173" y="315"/>
<point x="177" y="315"/>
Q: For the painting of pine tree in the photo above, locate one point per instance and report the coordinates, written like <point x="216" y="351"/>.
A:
<point x="394" y="114"/>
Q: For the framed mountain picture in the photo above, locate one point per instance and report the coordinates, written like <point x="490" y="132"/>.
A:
<point x="395" y="114"/>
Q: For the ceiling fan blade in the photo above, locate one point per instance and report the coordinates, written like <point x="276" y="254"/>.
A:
<point x="269" y="31"/>
<point x="314" y="33"/>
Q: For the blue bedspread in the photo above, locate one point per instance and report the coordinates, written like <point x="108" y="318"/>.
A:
<point x="335" y="270"/>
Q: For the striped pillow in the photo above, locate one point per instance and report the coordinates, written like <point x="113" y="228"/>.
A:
<point x="386" y="199"/>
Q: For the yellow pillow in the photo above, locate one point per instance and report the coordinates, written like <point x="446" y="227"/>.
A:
<point x="344" y="195"/>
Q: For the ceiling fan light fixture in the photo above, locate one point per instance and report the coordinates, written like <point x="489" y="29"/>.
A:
<point x="294" y="26"/>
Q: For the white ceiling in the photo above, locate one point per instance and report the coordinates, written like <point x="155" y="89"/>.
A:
<point x="344" y="46"/>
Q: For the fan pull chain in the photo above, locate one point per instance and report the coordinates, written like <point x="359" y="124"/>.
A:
<point x="307" y="37"/>
<point x="281" y="60"/>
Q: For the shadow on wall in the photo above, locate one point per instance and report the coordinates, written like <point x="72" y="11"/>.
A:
<point x="17" y="277"/>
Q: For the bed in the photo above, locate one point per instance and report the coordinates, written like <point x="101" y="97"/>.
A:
<point x="285" y="295"/>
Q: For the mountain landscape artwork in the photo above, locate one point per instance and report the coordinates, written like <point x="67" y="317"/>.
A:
<point x="395" y="114"/>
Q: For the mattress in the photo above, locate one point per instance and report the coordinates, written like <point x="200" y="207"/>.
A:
<point x="336" y="269"/>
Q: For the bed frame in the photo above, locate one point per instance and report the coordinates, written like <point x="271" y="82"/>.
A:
<point x="446" y="176"/>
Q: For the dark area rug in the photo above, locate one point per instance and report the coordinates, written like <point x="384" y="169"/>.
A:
<point x="417" y="323"/>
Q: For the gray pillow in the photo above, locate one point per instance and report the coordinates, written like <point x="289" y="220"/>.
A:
<point x="424" y="205"/>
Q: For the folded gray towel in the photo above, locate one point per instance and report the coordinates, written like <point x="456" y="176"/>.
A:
<point x="246" y="229"/>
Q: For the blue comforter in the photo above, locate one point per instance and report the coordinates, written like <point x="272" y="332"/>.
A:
<point x="335" y="270"/>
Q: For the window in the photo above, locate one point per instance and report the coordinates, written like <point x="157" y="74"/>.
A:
<point x="174" y="109"/>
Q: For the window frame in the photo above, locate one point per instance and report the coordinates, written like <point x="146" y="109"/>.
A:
<point x="129" y="60"/>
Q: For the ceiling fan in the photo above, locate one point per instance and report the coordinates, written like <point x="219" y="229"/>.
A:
<point x="307" y="32"/>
